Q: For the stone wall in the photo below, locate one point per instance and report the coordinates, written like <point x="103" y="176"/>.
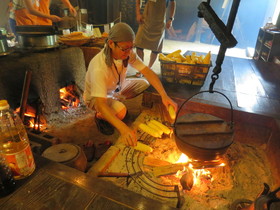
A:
<point x="51" y="70"/>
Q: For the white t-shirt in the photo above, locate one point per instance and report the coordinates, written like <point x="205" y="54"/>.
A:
<point x="102" y="81"/>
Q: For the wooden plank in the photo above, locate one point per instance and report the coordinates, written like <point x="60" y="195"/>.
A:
<point x="269" y="76"/>
<point x="104" y="162"/>
<point x="167" y="170"/>
<point x="149" y="161"/>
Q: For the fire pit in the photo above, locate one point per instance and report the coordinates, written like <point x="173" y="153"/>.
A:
<point x="171" y="177"/>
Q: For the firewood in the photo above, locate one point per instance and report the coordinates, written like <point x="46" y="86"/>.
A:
<point x="104" y="162"/>
<point x="148" y="161"/>
<point x="187" y="180"/>
<point x="167" y="170"/>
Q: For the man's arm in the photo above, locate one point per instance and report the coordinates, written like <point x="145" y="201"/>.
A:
<point x="128" y="136"/>
<point x="33" y="11"/>
<point x="139" y="17"/>
<point x="153" y="79"/>
<point x="172" y="10"/>
<point x="71" y="8"/>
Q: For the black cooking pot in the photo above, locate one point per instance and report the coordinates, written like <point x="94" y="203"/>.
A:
<point x="201" y="136"/>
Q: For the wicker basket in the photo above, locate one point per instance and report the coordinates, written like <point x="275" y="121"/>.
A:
<point x="183" y="73"/>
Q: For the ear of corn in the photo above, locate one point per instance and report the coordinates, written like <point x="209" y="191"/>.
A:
<point x="164" y="58"/>
<point x="164" y="128"/>
<point x="151" y="125"/>
<point x="207" y="58"/>
<point x="171" y="111"/>
<point x="149" y="130"/>
<point x="174" y="54"/>
<point x="143" y="147"/>
<point x="194" y="58"/>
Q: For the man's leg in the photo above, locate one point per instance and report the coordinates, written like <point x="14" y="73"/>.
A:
<point x="119" y="110"/>
<point x="153" y="57"/>
<point x="140" y="52"/>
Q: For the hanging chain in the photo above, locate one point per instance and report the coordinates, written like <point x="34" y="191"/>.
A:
<point x="218" y="67"/>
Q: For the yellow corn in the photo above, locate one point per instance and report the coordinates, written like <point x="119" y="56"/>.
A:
<point x="164" y="58"/>
<point x="153" y="126"/>
<point x="149" y="130"/>
<point x="170" y="55"/>
<point x="193" y="56"/>
<point x="171" y="111"/>
<point x="188" y="59"/>
<point x="207" y="58"/>
<point x="164" y="128"/>
<point x="143" y="147"/>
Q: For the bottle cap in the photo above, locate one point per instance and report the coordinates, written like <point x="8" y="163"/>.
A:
<point x="4" y="105"/>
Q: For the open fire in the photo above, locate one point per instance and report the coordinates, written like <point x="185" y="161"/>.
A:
<point x="179" y="181"/>
<point x="193" y="172"/>
<point x="69" y="98"/>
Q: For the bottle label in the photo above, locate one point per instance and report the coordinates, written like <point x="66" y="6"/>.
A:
<point x="21" y="163"/>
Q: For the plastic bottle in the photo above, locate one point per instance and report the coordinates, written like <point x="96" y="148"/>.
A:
<point x="14" y="142"/>
<point x="7" y="182"/>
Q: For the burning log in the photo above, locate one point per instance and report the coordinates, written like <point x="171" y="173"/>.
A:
<point x="148" y="161"/>
<point x="187" y="180"/>
<point x="167" y="170"/>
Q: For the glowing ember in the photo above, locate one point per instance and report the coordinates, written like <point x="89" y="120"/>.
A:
<point x="193" y="173"/>
<point x="69" y="97"/>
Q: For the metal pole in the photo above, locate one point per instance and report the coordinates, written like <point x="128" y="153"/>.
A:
<point x="25" y="92"/>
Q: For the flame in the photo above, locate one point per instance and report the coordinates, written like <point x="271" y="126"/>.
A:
<point x="183" y="159"/>
<point x="199" y="175"/>
<point x="69" y="97"/>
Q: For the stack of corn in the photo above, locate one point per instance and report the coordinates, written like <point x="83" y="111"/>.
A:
<point x="177" y="57"/>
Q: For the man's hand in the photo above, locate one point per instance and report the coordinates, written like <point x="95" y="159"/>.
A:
<point x="128" y="137"/>
<point x="168" y="101"/>
<point x="55" y="18"/>
<point x="140" y="19"/>
<point x="168" y="24"/>
<point x="73" y="11"/>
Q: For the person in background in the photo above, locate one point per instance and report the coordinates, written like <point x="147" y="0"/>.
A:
<point x="152" y="24"/>
<point x="37" y="12"/>
<point x="106" y="85"/>
<point x="12" y="21"/>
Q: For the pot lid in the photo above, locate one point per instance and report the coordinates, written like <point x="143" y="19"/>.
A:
<point x="204" y="131"/>
<point x="61" y="152"/>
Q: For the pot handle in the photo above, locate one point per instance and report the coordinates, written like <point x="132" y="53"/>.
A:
<point x="207" y="91"/>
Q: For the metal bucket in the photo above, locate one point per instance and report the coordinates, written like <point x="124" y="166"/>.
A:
<point x="37" y="37"/>
<point x="4" y="49"/>
<point x="201" y="136"/>
<point x="37" y="42"/>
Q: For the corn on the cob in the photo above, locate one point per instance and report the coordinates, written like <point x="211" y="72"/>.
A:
<point x="149" y="130"/>
<point x="173" y="54"/>
<point x="151" y="125"/>
<point x="143" y="147"/>
<point x="171" y="111"/>
<point x="164" y="128"/>
<point x="207" y="58"/>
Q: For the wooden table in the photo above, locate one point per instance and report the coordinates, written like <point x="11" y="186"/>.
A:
<point x="56" y="186"/>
